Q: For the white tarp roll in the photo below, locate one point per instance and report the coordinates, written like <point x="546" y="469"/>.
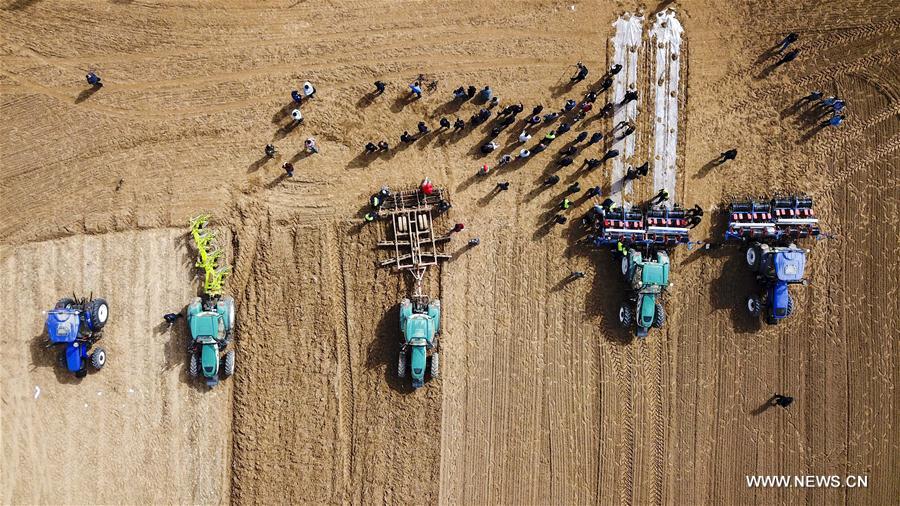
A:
<point x="626" y="45"/>
<point x="667" y="44"/>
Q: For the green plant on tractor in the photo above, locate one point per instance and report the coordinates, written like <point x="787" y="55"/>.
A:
<point x="208" y="254"/>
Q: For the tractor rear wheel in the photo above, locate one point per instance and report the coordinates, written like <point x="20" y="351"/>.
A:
<point x="659" y="316"/>
<point x="229" y="363"/>
<point x="435" y="365"/>
<point x="626" y="316"/>
<point x="401" y="365"/>
<point x="99" y="313"/>
<point x="98" y="358"/>
<point x="753" y="305"/>
<point x="229" y="312"/>
<point x="65" y="303"/>
<point x="193" y="366"/>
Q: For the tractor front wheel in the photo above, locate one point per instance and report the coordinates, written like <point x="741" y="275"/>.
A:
<point x="98" y="358"/>
<point x="626" y="316"/>
<point x="790" y="306"/>
<point x="229" y="363"/>
<point x="435" y="365"/>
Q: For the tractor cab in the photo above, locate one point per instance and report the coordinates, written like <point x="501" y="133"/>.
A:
<point x="789" y="265"/>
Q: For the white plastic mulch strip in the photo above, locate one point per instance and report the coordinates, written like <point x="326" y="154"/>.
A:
<point x="626" y="44"/>
<point x="667" y="32"/>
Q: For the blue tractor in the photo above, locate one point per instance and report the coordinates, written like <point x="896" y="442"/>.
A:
<point x="77" y="325"/>
<point x="420" y="323"/>
<point x="769" y="227"/>
<point x="776" y="267"/>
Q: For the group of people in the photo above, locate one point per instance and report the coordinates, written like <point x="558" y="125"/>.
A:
<point x="825" y="106"/>
<point x="310" y="145"/>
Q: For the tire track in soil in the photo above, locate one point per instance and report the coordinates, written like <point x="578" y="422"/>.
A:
<point x="625" y="387"/>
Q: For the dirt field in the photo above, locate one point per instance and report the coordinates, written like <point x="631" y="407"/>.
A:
<point x="542" y="398"/>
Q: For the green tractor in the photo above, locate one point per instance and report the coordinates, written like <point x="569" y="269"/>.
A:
<point x="420" y="323"/>
<point x="648" y="278"/>
<point x="211" y="321"/>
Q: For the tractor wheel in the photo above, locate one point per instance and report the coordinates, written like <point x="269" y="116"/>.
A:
<point x="229" y="312"/>
<point x="65" y="303"/>
<point x="435" y="365"/>
<point x="193" y="366"/>
<point x="659" y="316"/>
<point x="229" y="363"/>
<point x="98" y="358"/>
<point x="401" y="365"/>
<point x="755" y="255"/>
<point x="753" y="305"/>
<point x="790" y="306"/>
<point x="626" y="317"/>
<point x="625" y="266"/>
<point x="99" y="313"/>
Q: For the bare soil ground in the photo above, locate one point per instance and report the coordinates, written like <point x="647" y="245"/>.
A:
<point x="542" y="399"/>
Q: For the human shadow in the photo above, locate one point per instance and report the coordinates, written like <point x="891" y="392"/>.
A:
<point x="561" y="87"/>
<point x="461" y="187"/>
<point x="762" y="408"/>
<point x="363" y="159"/>
<point x="367" y="99"/>
<point x="811" y="133"/>
<point x="86" y="94"/>
<point x="450" y="107"/>
<point x="384" y="350"/>
<point x="766" y="72"/>
<point x="284" y="112"/>
<point x="402" y="101"/>
<point x="707" y="167"/>
<point x="255" y="166"/>
<point x="284" y="130"/>
<point x="277" y="181"/>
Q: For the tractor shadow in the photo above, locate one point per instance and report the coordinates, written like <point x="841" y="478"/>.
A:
<point x="384" y="350"/>
<point x="605" y="296"/>
<point x="42" y="356"/>
<point x="175" y="350"/>
<point x="731" y="289"/>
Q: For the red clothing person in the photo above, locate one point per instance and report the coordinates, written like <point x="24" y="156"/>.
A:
<point x="427" y="187"/>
